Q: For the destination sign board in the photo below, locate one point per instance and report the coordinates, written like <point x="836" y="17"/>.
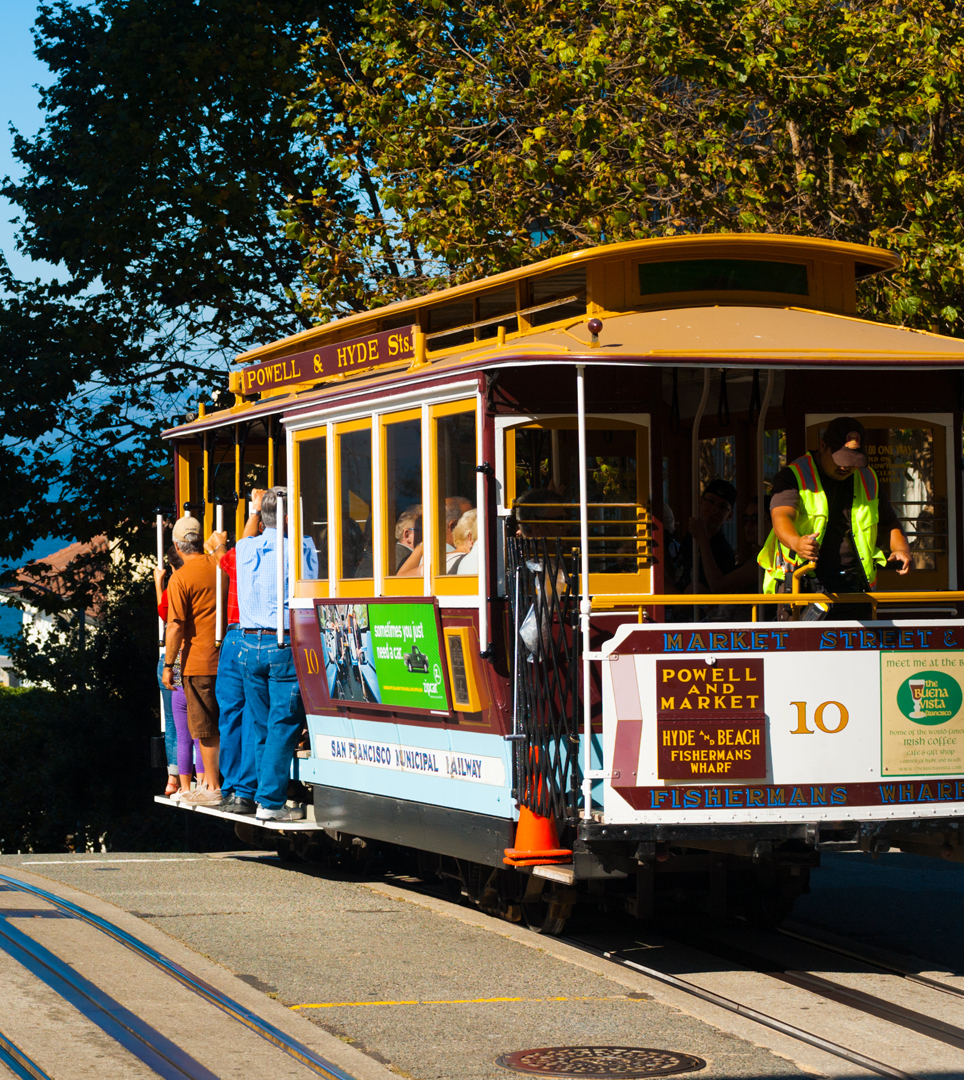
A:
<point x="342" y="358"/>
<point x="694" y="689"/>
<point x="694" y="749"/>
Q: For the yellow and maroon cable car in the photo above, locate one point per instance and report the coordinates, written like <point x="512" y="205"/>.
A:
<point x="536" y="706"/>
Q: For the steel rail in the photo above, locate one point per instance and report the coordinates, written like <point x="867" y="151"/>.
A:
<point x="794" y="1032"/>
<point x="881" y="965"/>
<point x="244" y="1016"/>
<point x="126" y="1028"/>
<point x="861" y="1000"/>
<point x="18" y="1063"/>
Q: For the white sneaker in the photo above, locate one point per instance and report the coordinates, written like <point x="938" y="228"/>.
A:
<point x="284" y="813"/>
<point x="202" y="796"/>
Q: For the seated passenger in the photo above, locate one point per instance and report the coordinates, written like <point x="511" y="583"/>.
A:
<point x="455" y="507"/>
<point x="408" y="534"/>
<point x="715" y="509"/>
<point x="465" y="558"/>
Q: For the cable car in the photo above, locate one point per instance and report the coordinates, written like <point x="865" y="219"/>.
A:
<point x="498" y="666"/>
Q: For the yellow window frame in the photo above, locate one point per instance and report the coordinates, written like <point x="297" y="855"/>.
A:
<point x="302" y="587"/>
<point x="446" y="584"/>
<point x="641" y="580"/>
<point x="348" y="586"/>
<point x="391" y="585"/>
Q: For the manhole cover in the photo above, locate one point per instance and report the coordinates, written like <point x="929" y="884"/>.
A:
<point x="602" y="1062"/>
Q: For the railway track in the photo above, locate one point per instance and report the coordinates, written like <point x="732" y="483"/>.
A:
<point x="123" y="1026"/>
<point x="763" y="959"/>
<point x="734" y="951"/>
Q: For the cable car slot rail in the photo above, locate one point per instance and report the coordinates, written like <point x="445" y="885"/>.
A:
<point x="244" y="1016"/>
<point x="772" y="1022"/>
<point x="17" y="1061"/>
<point x="883" y="1009"/>
<point x="890" y="969"/>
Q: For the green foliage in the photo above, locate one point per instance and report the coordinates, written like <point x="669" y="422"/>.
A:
<point x="74" y="755"/>
<point x="154" y="187"/>
<point x="494" y="133"/>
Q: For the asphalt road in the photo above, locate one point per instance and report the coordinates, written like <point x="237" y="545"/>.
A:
<point x="436" y="991"/>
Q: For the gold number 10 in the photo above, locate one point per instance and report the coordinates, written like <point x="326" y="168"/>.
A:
<point x="802" y="729"/>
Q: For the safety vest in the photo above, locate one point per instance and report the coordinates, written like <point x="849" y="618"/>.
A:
<point x="812" y="514"/>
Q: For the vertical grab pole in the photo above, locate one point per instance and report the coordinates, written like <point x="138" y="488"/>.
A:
<point x="760" y="439"/>
<point x="695" y="500"/>
<point x="219" y="612"/>
<point x="482" y="528"/>
<point x="160" y="621"/>
<point x="585" y="604"/>
<point x="280" y="567"/>
<point x="160" y="566"/>
<point x="270" y="426"/>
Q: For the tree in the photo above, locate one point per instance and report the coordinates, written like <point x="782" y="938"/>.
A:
<point x="493" y="133"/>
<point x="155" y="184"/>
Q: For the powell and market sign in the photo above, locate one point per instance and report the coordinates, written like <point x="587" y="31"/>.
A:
<point x="343" y="358"/>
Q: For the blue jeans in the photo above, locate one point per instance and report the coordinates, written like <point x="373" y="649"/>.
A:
<point x="273" y="701"/>
<point x="240" y="776"/>
<point x="170" y="731"/>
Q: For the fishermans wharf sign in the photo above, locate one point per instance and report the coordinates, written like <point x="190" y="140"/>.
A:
<point x="342" y="358"/>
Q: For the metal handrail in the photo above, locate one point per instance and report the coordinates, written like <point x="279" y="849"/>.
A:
<point x="609" y="601"/>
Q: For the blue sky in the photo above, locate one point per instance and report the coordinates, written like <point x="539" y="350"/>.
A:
<point x="20" y="72"/>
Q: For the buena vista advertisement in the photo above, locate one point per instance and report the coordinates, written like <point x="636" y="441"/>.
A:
<point x="384" y="653"/>
<point x="921" y="716"/>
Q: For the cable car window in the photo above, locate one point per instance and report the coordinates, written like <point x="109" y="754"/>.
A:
<point x="403" y="490"/>
<point x="355" y="484"/>
<point x="491" y="306"/>
<point x="722" y="275"/>
<point x="547" y="459"/>
<point x="455" y="494"/>
<point x="313" y="505"/>
<point x="450" y="324"/>
<point x="559" y="296"/>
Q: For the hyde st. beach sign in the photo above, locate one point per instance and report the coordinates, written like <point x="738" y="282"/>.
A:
<point x="343" y="358"/>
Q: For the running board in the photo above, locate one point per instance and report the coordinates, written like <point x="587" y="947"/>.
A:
<point x="246" y="819"/>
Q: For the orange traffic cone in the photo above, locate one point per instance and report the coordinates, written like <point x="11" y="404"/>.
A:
<point x="537" y="842"/>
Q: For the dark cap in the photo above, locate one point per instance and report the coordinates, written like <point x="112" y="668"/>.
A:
<point x="845" y="438"/>
<point x="723" y="488"/>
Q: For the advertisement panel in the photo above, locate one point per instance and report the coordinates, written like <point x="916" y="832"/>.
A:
<point x="922" y="724"/>
<point x="384" y="654"/>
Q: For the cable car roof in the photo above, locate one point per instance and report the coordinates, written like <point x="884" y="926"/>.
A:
<point x="704" y="321"/>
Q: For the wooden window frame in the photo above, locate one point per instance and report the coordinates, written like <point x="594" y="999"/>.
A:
<point x="302" y="587"/>
<point x="350" y="587"/>
<point x="642" y="580"/>
<point x="446" y="584"/>
<point x="391" y="585"/>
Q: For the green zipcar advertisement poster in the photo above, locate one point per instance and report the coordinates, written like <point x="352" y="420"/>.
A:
<point x="384" y="654"/>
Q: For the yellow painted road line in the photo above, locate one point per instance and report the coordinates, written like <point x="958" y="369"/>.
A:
<point x="456" y="1001"/>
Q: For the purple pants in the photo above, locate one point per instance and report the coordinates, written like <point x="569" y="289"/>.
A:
<point x="185" y="751"/>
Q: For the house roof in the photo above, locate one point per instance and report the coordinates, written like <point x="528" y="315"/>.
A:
<point x="60" y="574"/>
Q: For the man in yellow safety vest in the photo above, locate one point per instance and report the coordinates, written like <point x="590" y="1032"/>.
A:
<point x="828" y="508"/>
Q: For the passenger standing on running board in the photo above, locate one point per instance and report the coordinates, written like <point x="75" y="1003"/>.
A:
<point x="270" y="683"/>
<point x="192" y="599"/>
<point x="239" y="775"/>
